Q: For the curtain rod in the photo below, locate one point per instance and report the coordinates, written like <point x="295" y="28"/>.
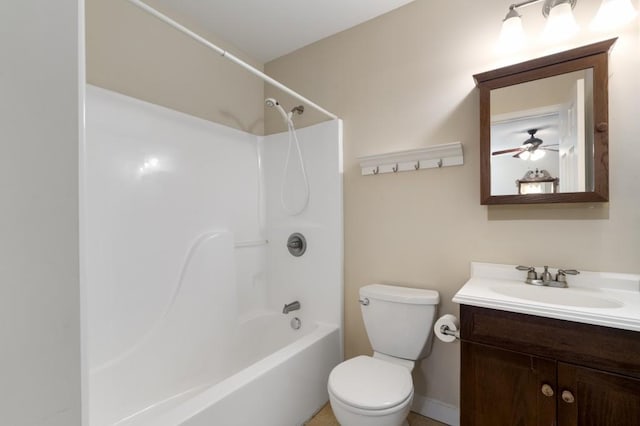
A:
<point x="229" y="56"/>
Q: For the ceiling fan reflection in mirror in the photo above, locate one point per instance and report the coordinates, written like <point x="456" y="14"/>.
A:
<point x="531" y="148"/>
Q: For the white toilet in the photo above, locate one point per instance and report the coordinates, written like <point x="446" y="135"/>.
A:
<point x="378" y="390"/>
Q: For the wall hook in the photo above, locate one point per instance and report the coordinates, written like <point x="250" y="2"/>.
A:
<point x="440" y="163"/>
<point x="395" y="168"/>
<point x="417" y="166"/>
<point x="376" y="170"/>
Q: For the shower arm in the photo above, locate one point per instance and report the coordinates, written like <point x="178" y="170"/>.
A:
<point x="229" y="56"/>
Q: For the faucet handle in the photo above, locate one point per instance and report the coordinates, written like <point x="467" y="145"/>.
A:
<point x="525" y="268"/>
<point x="561" y="276"/>
<point x="531" y="271"/>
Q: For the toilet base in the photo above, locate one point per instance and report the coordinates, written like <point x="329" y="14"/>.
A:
<point x="352" y="416"/>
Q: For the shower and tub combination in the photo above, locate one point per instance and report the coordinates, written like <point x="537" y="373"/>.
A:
<point x="201" y="307"/>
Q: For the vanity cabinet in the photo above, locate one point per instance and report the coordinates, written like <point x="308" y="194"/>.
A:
<point x="525" y="370"/>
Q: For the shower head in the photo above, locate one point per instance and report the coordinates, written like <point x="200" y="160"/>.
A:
<point x="271" y="102"/>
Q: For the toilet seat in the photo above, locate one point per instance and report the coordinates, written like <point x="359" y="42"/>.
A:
<point x="369" y="383"/>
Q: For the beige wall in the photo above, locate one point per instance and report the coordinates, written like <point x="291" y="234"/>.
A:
<point x="131" y="52"/>
<point x="40" y="377"/>
<point x="404" y="81"/>
<point x="546" y="92"/>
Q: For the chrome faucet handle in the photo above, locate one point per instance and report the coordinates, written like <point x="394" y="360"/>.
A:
<point x="531" y="271"/>
<point x="525" y="268"/>
<point x="561" y="276"/>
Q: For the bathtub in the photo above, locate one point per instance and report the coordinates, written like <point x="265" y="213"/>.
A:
<point x="187" y="271"/>
<point x="272" y="375"/>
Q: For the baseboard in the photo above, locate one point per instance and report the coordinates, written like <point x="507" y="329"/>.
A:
<point x="436" y="410"/>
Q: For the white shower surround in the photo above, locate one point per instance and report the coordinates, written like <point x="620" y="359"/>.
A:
<point x="170" y="199"/>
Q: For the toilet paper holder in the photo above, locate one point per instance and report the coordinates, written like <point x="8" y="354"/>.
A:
<point x="444" y="329"/>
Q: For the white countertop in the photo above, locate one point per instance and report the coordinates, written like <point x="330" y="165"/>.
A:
<point x="599" y="298"/>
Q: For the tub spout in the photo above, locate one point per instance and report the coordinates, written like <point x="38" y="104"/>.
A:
<point x="288" y="307"/>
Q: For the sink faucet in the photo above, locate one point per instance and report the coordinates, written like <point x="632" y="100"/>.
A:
<point x="288" y="307"/>
<point x="546" y="278"/>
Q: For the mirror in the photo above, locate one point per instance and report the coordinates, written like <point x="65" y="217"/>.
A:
<point x="544" y="129"/>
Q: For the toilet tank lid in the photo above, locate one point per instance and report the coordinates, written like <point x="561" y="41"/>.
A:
<point x="391" y="293"/>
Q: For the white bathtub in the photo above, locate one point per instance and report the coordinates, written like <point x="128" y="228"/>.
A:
<point x="272" y="375"/>
<point x="183" y="243"/>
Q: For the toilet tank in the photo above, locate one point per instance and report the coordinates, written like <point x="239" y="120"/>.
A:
<point x="399" y="320"/>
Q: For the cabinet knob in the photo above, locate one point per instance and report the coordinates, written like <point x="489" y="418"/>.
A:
<point x="547" y="390"/>
<point x="568" y="397"/>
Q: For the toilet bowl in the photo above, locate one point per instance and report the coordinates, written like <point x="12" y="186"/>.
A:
<point x="378" y="390"/>
<point x="369" y="391"/>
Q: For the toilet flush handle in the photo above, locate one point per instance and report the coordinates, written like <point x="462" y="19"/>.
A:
<point x="364" y="301"/>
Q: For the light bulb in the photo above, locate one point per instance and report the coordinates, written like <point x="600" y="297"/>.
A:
<point x="561" y="24"/>
<point x="512" y="35"/>
<point x="524" y="155"/>
<point x="613" y="14"/>
<point x="537" y="154"/>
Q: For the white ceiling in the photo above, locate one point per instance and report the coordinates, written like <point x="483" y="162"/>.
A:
<point x="266" y="30"/>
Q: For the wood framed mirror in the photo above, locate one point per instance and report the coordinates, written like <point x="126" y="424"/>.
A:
<point x="546" y="120"/>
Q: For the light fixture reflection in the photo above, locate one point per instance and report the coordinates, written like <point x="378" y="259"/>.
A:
<point x="149" y="166"/>
<point x="613" y="14"/>
<point x="561" y="24"/>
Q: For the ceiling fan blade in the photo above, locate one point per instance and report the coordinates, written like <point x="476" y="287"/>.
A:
<point x="549" y="149"/>
<point x="508" y="151"/>
<point x="539" y="128"/>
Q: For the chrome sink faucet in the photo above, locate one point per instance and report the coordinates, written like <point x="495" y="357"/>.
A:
<point x="546" y="279"/>
<point x="288" y="307"/>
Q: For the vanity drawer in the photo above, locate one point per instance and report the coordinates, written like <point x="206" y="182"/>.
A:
<point x="592" y="346"/>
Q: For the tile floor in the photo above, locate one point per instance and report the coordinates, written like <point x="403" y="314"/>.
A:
<point x="325" y="418"/>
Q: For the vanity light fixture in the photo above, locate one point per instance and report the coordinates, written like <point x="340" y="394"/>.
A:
<point x="612" y="14"/>
<point x="512" y="35"/>
<point x="561" y="23"/>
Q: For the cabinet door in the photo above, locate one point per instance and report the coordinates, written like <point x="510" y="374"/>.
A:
<point x="596" y="398"/>
<point x="504" y="388"/>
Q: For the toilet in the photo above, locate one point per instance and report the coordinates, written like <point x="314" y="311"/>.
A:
<point x="378" y="390"/>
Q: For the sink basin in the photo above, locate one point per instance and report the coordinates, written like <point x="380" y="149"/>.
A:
<point x="557" y="296"/>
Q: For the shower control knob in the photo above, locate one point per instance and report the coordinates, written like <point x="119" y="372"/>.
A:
<point x="296" y="244"/>
<point x="364" y="301"/>
<point x="547" y="390"/>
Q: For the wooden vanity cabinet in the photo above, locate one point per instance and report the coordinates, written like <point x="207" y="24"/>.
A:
<point x="519" y="369"/>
